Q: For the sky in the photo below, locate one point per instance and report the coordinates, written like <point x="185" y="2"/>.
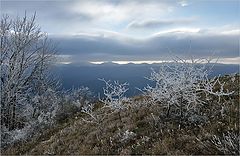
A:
<point x="137" y="31"/>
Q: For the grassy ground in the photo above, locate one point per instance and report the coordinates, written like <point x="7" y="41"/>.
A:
<point x="145" y="130"/>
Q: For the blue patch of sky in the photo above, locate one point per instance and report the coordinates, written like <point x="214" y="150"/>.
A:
<point x="212" y="12"/>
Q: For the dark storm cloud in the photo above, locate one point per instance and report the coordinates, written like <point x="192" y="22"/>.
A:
<point x="92" y="47"/>
<point x="100" y="48"/>
<point x="197" y="45"/>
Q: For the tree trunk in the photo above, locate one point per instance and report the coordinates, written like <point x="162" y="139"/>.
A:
<point x="181" y="103"/>
<point x="168" y="110"/>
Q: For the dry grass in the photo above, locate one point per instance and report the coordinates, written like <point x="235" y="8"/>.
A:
<point x="137" y="131"/>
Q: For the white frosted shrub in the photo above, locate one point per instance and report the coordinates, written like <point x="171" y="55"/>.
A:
<point x="228" y="143"/>
<point x="181" y="83"/>
<point x="115" y="95"/>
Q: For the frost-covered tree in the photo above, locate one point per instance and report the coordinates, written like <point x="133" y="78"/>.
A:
<point x="25" y="57"/>
<point x="181" y="85"/>
<point x="115" y="95"/>
<point x="114" y="98"/>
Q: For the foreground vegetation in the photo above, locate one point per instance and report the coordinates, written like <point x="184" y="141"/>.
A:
<point x="142" y="128"/>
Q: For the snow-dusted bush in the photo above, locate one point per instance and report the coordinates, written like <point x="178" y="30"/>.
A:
<point x="73" y="101"/>
<point x="115" y="95"/>
<point x="228" y="143"/>
<point x="82" y="96"/>
<point x="78" y="97"/>
<point x="10" y="137"/>
<point x="126" y="136"/>
<point x="88" y="109"/>
<point x="181" y="85"/>
<point x="33" y="117"/>
<point x="46" y="106"/>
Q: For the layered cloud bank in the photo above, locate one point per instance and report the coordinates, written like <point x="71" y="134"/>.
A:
<point x="114" y="47"/>
<point x="136" y="30"/>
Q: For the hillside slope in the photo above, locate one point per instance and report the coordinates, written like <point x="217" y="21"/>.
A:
<point x="144" y="130"/>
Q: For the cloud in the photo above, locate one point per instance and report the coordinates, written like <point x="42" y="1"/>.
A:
<point x="74" y="15"/>
<point x="234" y="60"/>
<point x="183" y="3"/>
<point x="153" y="23"/>
<point x="116" y="47"/>
<point x="119" y="11"/>
<point x="96" y="30"/>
